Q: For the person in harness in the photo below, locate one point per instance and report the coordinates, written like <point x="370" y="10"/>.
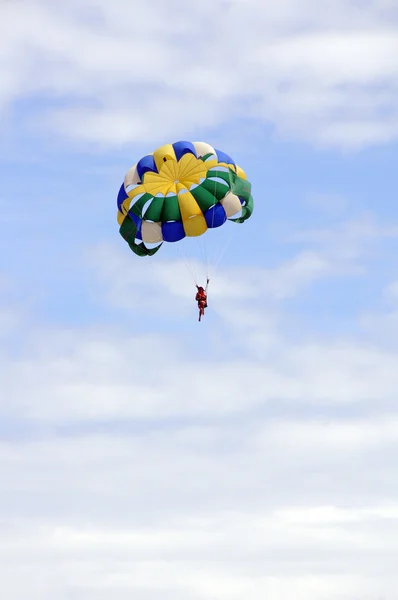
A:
<point x="201" y="299"/>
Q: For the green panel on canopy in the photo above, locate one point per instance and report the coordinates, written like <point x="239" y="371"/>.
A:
<point x="203" y="197"/>
<point x="139" y="204"/>
<point x="225" y="175"/>
<point x="216" y="188"/>
<point x="239" y="186"/>
<point x="171" y="209"/>
<point x="128" y="231"/>
<point x="242" y="188"/>
<point x="154" y="210"/>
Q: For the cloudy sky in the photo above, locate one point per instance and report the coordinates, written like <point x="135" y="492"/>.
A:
<point x="255" y="455"/>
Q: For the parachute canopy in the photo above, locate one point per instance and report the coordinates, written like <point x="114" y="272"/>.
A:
<point x="180" y="190"/>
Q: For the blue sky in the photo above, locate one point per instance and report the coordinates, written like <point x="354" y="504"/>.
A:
<point x="255" y="454"/>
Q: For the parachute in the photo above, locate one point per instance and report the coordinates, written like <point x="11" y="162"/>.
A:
<point x="180" y="190"/>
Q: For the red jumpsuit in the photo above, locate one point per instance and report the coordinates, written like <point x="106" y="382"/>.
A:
<point x="201" y="298"/>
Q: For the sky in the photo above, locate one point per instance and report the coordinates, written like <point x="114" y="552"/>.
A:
<point x="254" y="455"/>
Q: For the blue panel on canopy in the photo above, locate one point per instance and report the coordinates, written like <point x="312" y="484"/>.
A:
<point x="121" y="197"/>
<point x="173" y="231"/>
<point x="147" y="163"/>
<point x="215" y="216"/>
<point x="222" y="157"/>
<point x="181" y="148"/>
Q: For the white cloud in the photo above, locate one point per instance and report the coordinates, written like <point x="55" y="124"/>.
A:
<point x="244" y="349"/>
<point x="232" y="458"/>
<point x="391" y="292"/>
<point x="382" y="324"/>
<point x="94" y="376"/>
<point x="158" y="514"/>
<point x="145" y="72"/>
<point x="327" y="204"/>
<point x="348" y="242"/>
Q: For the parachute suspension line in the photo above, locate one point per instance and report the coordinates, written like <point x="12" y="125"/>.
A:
<point x="188" y="266"/>
<point x="206" y="254"/>
<point x="231" y="236"/>
<point x="202" y="251"/>
<point x="201" y="243"/>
